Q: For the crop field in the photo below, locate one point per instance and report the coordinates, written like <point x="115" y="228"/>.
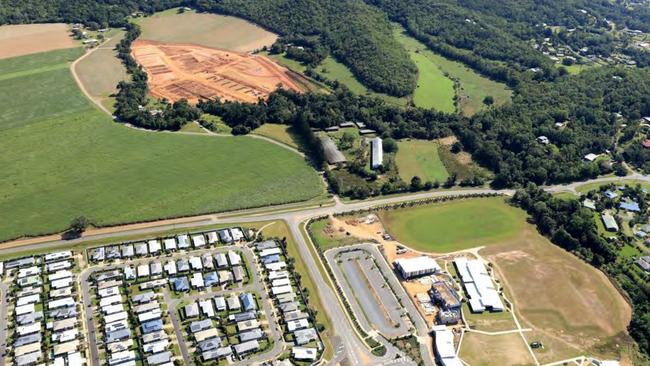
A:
<point x="69" y="160"/>
<point x="420" y="158"/>
<point x="572" y="308"/>
<point x="101" y="71"/>
<point x="36" y="86"/>
<point x="210" y="30"/>
<point x="179" y="71"/>
<point x="503" y="350"/>
<point x="472" y="87"/>
<point x="454" y="225"/>
<point x="25" y="39"/>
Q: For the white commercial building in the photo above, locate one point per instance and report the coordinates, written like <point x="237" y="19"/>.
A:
<point x="418" y="266"/>
<point x="481" y="290"/>
<point x="444" y="346"/>
<point x="377" y="156"/>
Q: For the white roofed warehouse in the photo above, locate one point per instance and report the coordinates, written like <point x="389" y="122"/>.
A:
<point x="481" y="290"/>
<point x="377" y="153"/>
<point x="415" y="267"/>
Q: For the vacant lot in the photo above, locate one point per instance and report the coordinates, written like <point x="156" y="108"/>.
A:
<point x="24" y="39"/>
<point x="572" y="307"/>
<point x="75" y="161"/>
<point x="502" y="350"/>
<point x="210" y="30"/>
<point x="472" y="87"/>
<point x="179" y="71"/>
<point x="101" y="71"/>
<point x="420" y="158"/>
<point x="454" y="225"/>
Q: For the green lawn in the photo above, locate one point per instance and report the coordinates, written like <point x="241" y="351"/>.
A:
<point x="69" y="159"/>
<point x="420" y="158"/>
<point x="454" y="225"/>
<point x="334" y="70"/>
<point x="473" y="87"/>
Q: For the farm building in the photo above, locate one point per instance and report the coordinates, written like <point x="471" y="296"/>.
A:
<point x="589" y="204"/>
<point x="644" y="263"/>
<point x="630" y="205"/>
<point x="444" y="346"/>
<point x="591" y="157"/>
<point x="609" y="222"/>
<point x="332" y="153"/>
<point x="377" y="156"/>
<point x="481" y="291"/>
<point x="415" y="267"/>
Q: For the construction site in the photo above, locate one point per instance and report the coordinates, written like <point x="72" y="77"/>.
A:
<point x="193" y="72"/>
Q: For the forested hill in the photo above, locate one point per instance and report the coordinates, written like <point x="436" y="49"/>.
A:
<point x="592" y="107"/>
<point x="356" y="33"/>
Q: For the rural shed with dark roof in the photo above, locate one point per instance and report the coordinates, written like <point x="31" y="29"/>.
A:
<point x="332" y="153"/>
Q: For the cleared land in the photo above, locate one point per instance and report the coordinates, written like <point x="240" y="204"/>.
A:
<point x="210" y="30"/>
<point x="503" y="350"/>
<point x="179" y="71"/>
<point x="572" y="307"/>
<point x="454" y="225"/>
<point x="472" y="87"/>
<point x="101" y="71"/>
<point x="24" y="39"/>
<point x="69" y="160"/>
<point x="420" y="158"/>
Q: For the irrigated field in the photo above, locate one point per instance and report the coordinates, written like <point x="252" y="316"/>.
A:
<point x="68" y="159"/>
<point x="472" y="88"/>
<point x="24" y="39"/>
<point x="572" y="308"/>
<point x="179" y="71"/>
<point x="210" y="30"/>
<point x="420" y="158"/>
<point x="454" y="225"/>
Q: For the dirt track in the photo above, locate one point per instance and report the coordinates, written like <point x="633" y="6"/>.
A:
<point x="195" y="72"/>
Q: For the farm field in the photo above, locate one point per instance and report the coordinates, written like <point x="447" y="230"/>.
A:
<point x="101" y="71"/>
<point x="210" y="30"/>
<point x="503" y="350"/>
<point x="179" y="71"/>
<point x="74" y="161"/>
<point x="434" y="89"/>
<point x="33" y="87"/>
<point x="25" y="39"/>
<point x="281" y="133"/>
<point x="420" y="158"/>
<point x="454" y="225"/>
<point x="574" y="313"/>
<point x="472" y="88"/>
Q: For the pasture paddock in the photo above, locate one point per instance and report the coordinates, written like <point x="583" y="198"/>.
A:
<point x="25" y="39"/>
<point x="420" y="158"/>
<point x="210" y="30"/>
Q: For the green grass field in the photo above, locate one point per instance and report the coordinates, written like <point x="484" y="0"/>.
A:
<point x="101" y="71"/>
<point x="473" y="87"/>
<point x="454" y="225"/>
<point x="68" y="159"/>
<point x="420" y="158"/>
<point x="434" y="89"/>
<point x="280" y="133"/>
<point x="331" y="69"/>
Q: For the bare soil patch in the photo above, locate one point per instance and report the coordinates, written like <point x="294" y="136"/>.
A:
<point x="572" y="307"/>
<point x="194" y="72"/>
<point x="24" y="39"/>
